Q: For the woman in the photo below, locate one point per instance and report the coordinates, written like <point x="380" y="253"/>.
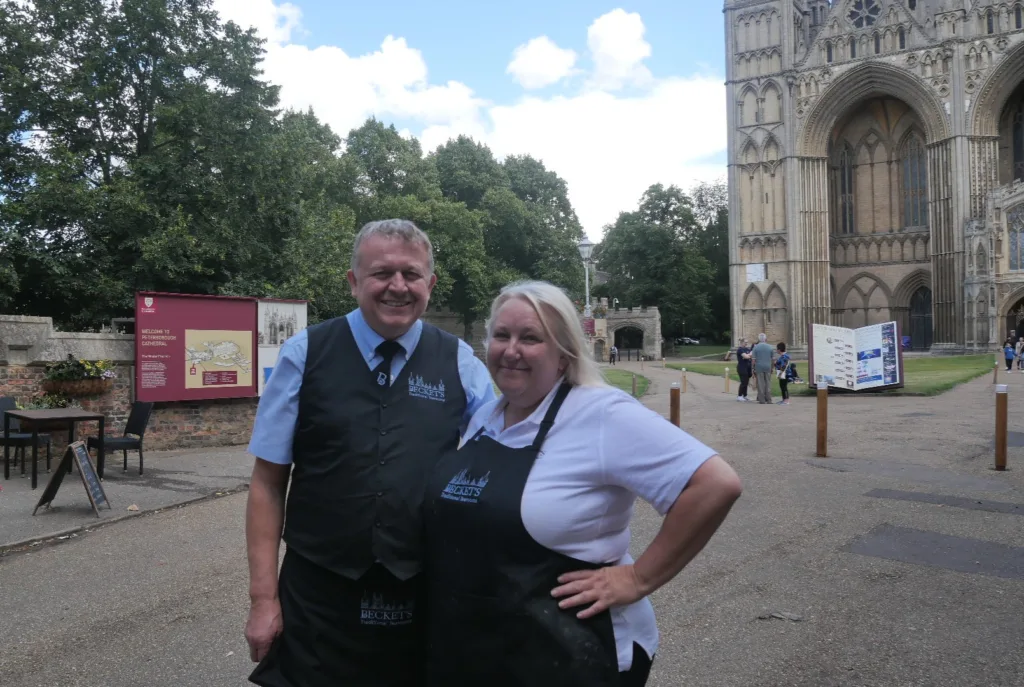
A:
<point x="1008" y="354"/>
<point x="527" y="560"/>
<point x="783" y="372"/>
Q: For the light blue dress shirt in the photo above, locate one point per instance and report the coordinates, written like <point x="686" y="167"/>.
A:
<point x="278" y="410"/>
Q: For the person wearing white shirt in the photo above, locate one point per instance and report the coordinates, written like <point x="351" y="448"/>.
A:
<point x="528" y="571"/>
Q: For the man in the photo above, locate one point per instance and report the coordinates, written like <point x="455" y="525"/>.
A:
<point x="762" y="355"/>
<point x="613" y="355"/>
<point x="362" y="406"/>
<point x="744" y="368"/>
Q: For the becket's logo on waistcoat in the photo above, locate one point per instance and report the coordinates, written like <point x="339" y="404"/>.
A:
<point x="464" y="488"/>
<point x="421" y="389"/>
<point x="374" y="609"/>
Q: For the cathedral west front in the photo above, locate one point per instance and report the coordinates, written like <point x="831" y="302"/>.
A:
<point x="876" y="168"/>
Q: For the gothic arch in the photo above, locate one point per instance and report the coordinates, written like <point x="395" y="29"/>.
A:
<point x="995" y="92"/>
<point x="865" y="81"/>
<point x="851" y="284"/>
<point x="909" y="286"/>
<point x="752" y="298"/>
<point x="771" y="145"/>
<point x="1013" y="299"/>
<point x="771" y="96"/>
<point x="774" y="298"/>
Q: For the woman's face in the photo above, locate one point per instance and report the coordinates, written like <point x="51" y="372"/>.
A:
<point x="523" y="361"/>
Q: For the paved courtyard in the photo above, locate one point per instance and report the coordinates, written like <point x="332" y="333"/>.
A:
<point x="898" y="560"/>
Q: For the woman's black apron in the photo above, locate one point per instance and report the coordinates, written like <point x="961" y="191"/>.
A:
<point x="491" y="619"/>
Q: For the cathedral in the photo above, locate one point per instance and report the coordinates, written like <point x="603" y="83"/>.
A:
<point x="876" y="168"/>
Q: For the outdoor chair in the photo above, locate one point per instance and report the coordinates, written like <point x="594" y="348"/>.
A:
<point x="134" y="430"/>
<point x="21" y="440"/>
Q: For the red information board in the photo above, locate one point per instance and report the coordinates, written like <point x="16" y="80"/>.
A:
<point x="191" y="348"/>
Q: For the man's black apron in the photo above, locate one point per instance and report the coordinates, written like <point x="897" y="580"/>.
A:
<point x="350" y="621"/>
<point x="491" y="619"/>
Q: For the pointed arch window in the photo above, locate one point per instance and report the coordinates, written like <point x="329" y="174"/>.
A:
<point x="1017" y="127"/>
<point x="1018" y="17"/>
<point x="1015" y="228"/>
<point x="915" y="183"/>
<point x="903" y="38"/>
<point x="828" y="52"/>
<point x="878" y="44"/>
<point x="843" y="195"/>
<point x="853" y="48"/>
<point x="991" y="22"/>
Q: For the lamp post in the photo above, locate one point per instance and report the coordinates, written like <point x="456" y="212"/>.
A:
<point x="586" y="248"/>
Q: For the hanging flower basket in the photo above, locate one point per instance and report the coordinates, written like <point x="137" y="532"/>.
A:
<point x="77" y="387"/>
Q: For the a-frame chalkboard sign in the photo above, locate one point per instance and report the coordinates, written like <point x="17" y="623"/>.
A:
<point x="78" y="454"/>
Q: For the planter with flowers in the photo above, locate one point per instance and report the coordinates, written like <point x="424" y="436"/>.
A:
<point x="75" y="378"/>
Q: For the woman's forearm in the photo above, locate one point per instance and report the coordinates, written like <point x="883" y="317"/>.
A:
<point x="689" y="525"/>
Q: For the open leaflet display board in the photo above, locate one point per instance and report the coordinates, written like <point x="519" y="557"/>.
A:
<point x="866" y="358"/>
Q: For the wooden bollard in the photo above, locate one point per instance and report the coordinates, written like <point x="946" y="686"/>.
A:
<point x="995" y="374"/>
<point x="673" y="405"/>
<point x="822" y="422"/>
<point x="726" y="380"/>
<point x="634" y="386"/>
<point x="1001" y="406"/>
<point x="684" y="380"/>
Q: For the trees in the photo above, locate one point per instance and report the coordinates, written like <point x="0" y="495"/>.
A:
<point x="670" y="253"/>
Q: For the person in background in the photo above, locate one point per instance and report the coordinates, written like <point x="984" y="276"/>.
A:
<point x="744" y="368"/>
<point x="613" y="354"/>
<point x="1019" y="349"/>
<point x="762" y="355"/>
<point x="784" y="372"/>
<point x="355" y="414"/>
<point x="529" y="578"/>
<point x="1009" y="353"/>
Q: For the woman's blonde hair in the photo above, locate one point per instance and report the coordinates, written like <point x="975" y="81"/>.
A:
<point x="561" y="324"/>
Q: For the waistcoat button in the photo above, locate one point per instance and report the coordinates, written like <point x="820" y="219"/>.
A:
<point x="383" y="432"/>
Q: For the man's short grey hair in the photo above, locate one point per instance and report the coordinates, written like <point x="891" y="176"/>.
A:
<point x="762" y="338"/>
<point x="393" y="229"/>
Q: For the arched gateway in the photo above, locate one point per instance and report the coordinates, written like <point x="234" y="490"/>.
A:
<point x="882" y="177"/>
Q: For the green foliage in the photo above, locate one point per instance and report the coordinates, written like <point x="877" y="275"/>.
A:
<point x="72" y="370"/>
<point x="49" y="402"/>
<point x="142" y="149"/>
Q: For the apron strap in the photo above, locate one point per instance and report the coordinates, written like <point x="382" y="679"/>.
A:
<point x="549" y="418"/>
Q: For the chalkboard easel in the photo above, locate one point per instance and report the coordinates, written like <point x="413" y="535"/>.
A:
<point x="78" y="454"/>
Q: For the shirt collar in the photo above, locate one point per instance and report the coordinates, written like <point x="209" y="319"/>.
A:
<point x="496" y="422"/>
<point x="367" y="339"/>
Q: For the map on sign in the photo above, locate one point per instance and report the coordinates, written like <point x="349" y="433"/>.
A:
<point x="217" y="358"/>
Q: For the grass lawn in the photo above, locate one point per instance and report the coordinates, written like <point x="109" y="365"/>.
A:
<point x="699" y="351"/>
<point x="624" y="380"/>
<point x="922" y="376"/>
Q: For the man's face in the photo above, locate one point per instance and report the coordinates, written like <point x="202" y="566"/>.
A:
<point x="392" y="284"/>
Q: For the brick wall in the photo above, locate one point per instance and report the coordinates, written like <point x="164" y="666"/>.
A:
<point x="171" y="426"/>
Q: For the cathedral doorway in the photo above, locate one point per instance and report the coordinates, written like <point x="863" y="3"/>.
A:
<point x="921" y="319"/>
<point x="1011" y="135"/>
<point x="1015" y="321"/>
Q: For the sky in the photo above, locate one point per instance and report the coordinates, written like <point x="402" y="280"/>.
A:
<point x="611" y="97"/>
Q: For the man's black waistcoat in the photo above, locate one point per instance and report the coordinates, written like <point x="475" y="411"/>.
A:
<point x="362" y="451"/>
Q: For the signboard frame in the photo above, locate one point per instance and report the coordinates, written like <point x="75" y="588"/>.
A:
<point x="149" y="303"/>
<point x="898" y="342"/>
<point x="78" y="453"/>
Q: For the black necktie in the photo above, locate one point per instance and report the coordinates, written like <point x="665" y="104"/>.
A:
<point x="382" y="373"/>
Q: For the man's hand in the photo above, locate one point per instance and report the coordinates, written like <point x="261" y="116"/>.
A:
<point x="602" y="588"/>
<point x="263" y="626"/>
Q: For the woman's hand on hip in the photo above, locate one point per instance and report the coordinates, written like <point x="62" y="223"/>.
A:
<point x="603" y="588"/>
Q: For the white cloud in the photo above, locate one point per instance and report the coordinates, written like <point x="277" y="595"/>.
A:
<point x="616" y="42"/>
<point x="609" y="145"/>
<point x="540" y="63"/>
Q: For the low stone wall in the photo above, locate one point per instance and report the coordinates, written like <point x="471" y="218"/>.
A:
<point x="28" y="344"/>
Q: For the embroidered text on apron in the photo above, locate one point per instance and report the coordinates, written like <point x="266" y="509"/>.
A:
<point x="491" y="619"/>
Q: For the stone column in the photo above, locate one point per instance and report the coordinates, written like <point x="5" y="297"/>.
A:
<point x="812" y="302"/>
<point x="946" y="247"/>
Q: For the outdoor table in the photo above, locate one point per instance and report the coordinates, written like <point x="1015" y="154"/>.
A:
<point x="33" y="418"/>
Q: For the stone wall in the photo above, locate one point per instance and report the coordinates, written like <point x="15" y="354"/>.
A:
<point x="28" y="344"/>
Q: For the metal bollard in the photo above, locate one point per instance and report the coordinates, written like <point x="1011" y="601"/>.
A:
<point x="684" y="380"/>
<point x="822" y="451"/>
<point x="726" y="380"/>
<point x="673" y="405"/>
<point x="1002" y="398"/>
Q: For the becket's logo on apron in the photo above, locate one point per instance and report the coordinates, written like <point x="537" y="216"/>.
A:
<point x="422" y="389"/>
<point x="374" y="609"/>
<point x="464" y="488"/>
